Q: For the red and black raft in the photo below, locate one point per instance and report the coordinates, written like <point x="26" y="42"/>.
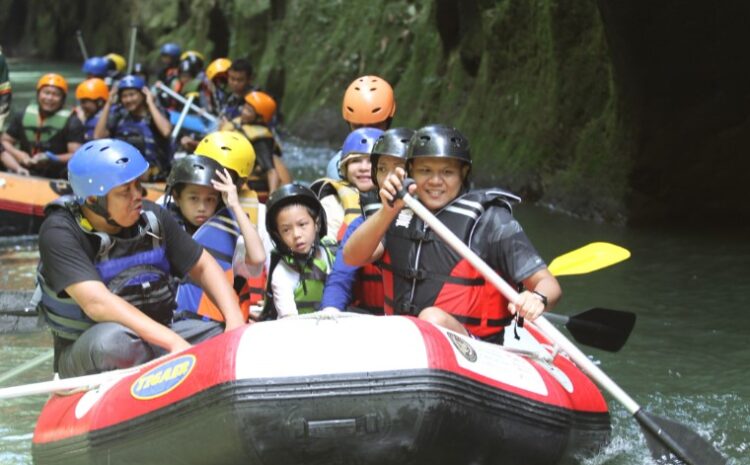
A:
<point x="335" y="390"/>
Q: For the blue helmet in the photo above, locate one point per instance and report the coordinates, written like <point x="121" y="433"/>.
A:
<point x="95" y="66"/>
<point x="171" y="49"/>
<point x="358" y="142"/>
<point x="131" y="81"/>
<point x="100" y="165"/>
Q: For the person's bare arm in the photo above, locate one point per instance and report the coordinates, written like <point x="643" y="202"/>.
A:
<point x="17" y="158"/>
<point x="100" y="130"/>
<point x="531" y="305"/>
<point x="102" y="305"/>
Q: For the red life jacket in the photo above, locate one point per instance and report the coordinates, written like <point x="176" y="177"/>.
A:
<point x="368" y="288"/>
<point x="420" y="270"/>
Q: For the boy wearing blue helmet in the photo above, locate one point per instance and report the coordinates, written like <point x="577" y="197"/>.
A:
<point x="108" y="259"/>
<point x="139" y="120"/>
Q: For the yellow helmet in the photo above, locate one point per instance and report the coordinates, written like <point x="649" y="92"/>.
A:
<point x="230" y="149"/>
<point x="217" y="67"/>
<point x="118" y="60"/>
<point x="188" y="53"/>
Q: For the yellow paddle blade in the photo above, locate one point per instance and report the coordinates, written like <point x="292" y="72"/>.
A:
<point x="588" y="258"/>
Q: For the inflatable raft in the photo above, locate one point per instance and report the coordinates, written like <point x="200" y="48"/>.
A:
<point x="346" y="389"/>
<point x="23" y="198"/>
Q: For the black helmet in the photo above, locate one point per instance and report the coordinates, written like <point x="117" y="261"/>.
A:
<point x="393" y="142"/>
<point x="438" y="140"/>
<point x="193" y="169"/>
<point x="290" y="194"/>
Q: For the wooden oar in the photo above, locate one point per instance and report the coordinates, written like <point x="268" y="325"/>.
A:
<point x="664" y="437"/>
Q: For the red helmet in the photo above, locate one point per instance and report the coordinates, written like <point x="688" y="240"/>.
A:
<point x="368" y="100"/>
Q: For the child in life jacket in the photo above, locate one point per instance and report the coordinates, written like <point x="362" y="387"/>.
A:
<point x="91" y="94"/>
<point x="302" y="256"/>
<point x="340" y="198"/>
<point x="252" y="123"/>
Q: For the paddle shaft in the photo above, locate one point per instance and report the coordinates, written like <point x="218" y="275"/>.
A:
<point x="184" y="101"/>
<point x="38" y="360"/>
<point x="65" y="384"/>
<point x="82" y="45"/>
<point x="507" y="290"/>
<point x="131" y="54"/>
<point x="181" y="119"/>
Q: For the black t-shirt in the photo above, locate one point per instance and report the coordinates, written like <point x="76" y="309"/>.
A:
<point x="502" y="243"/>
<point x="73" y="131"/>
<point x="67" y="253"/>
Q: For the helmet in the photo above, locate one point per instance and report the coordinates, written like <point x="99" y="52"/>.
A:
<point x="170" y="49"/>
<point x="394" y="143"/>
<point x="189" y="66"/>
<point x="99" y="166"/>
<point x="54" y="80"/>
<point x="217" y="67"/>
<point x="263" y="104"/>
<point x="193" y="169"/>
<point x="194" y="56"/>
<point x="230" y="149"/>
<point x="290" y="194"/>
<point x="93" y="88"/>
<point x="95" y="66"/>
<point x="118" y="61"/>
<point x="368" y="100"/>
<point x="358" y="142"/>
<point x="438" y="140"/>
<point x="131" y="82"/>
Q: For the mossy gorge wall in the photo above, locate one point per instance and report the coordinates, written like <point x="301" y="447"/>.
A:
<point x="549" y="93"/>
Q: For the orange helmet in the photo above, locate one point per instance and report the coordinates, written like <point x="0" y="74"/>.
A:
<point x="54" y="80"/>
<point x="218" y="66"/>
<point x="368" y="100"/>
<point x="93" y="89"/>
<point x="263" y="104"/>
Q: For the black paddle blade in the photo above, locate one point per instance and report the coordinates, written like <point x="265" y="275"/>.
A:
<point x="602" y="328"/>
<point x="672" y="443"/>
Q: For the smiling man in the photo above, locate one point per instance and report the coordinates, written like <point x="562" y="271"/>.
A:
<point x="422" y="275"/>
<point x="108" y="262"/>
<point x="42" y="138"/>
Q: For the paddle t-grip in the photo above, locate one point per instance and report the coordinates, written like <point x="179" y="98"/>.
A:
<point x="404" y="189"/>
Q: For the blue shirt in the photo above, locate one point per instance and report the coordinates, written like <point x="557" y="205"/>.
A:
<point x="339" y="286"/>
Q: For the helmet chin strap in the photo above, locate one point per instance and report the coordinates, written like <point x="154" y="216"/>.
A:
<point x="100" y="208"/>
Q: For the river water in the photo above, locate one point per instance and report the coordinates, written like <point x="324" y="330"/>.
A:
<point x="685" y="360"/>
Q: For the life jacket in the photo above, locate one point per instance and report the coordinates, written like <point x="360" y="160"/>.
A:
<point x="218" y="236"/>
<point x="90" y="125"/>
<point x="368" y="286"/>
<point x="348" y="196"/>
<point x="39" y="131"/>
<point x="135" y="269"/>
<point x="421" y="270"/>
<point x="313" y="275"/>
<point x="262" y="139"/>
<point x="139" y="134"/>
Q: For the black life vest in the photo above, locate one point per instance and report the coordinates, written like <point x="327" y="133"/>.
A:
<point x="135" y="269"/>
<point x="420" y="270"/>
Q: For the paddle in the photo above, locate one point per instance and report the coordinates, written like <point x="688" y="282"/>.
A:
<point x="181" y="119"/>
<point x="56" y="385"/>
<point x="588" y="258"/>
<point x="183" y="100"/>
<point x="131" y="54"/>
<point x="664" y="437"/>
<point x="601" y="328"/>
<point x="82" y="45"/>
<point x="38" y="360"/>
